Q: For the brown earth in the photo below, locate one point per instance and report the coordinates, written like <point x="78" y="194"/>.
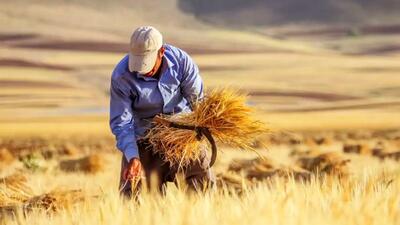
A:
<point x="220" y="68"/>
<point x="304" y="94"/>
<point x="346" y="31"/>
<point x="29" y="105"/>
<point x="115" y="47"/>
<point x="31" y="84"/>
<point x="18" y="40"/>
<point x="25" y="63"/>
<point x="386" y="49"/>
<point x="345" y="107"/>
<point x="16" y="36"/>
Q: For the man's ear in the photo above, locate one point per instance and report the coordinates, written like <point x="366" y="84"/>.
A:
<point x="162" y="50"/>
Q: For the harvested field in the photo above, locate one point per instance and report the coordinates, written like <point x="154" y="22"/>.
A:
<point x="88" y="180"/>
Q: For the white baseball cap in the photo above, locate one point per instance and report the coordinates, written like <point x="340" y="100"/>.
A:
<point x="144" y="46"/>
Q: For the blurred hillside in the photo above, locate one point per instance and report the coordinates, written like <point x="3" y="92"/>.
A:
<point x="103" y="19"/>
<point x="112" y="21"/>
<point x="298" y="60"/>
<point x="252" y="25"/>
<point x="267" y="12"/>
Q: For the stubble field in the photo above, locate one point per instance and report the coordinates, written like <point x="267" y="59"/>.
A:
<point x="303" y="178"/>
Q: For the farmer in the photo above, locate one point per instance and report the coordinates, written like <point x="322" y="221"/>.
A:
<point x="154" y="78"/>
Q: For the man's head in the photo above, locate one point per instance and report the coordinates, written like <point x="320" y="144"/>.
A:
<point x="146" y="50"/>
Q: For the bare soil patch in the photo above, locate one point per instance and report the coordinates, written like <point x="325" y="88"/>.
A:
<point x="24" y="41"/>
<point x="16" y="36"/>
<point x="346" y="31"/>
<point x="25" y="63"/>
<point x="344" y="107"/>
<point x="31" y="84"/>
<point x="304" y="94"/>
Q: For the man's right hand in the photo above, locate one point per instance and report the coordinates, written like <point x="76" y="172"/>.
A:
<point x="133" y="170"/>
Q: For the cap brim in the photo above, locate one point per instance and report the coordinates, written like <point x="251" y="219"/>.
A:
<point x="142" y="63"/>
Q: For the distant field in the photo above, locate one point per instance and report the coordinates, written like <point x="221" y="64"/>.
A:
<point x="343" y="74"/>
<point x="40" y="81"/>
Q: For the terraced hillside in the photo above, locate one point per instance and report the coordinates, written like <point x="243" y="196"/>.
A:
<point x="56" y="61"/>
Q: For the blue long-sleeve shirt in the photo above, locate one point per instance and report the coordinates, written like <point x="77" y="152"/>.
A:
<point x="136" y="99"/>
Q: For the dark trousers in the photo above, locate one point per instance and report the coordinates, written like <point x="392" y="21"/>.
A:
<point x="197" y="175"/>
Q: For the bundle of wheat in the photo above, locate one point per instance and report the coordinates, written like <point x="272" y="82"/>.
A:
<point x="245" y="165"/>
<point x="14" y="189"/>
<point x="297" y="174"/>
<point x="303" y="152"/>
<point x="222" y="111"/>
<point x="390" y="155"/>
<point x="55" y="200"/>
<point x="361" y="148"/>
<point x="17" y="198"/>
<point x="264" y="168"/>
<point x="330" y="163"/>
<point x="90" y="164"/>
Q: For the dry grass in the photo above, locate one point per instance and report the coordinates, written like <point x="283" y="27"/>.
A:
<point x="55" y="200"/>
<point x="251" y="189"/>
<point x="14" y="189"/>
<point x="16" y="194"/>
<point x="232" y="182"/>
<point x="297" y="174"/>
<point x="370" y="199"/>
<point x="261" y="164"/>
<point x="223" y="111"/>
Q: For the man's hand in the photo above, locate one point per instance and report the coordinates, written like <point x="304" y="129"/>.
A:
<point x="133" y="170"/>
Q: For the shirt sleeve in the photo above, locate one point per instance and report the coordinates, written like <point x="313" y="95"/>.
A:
<point x="122" y="122"/>
<point x="192" y="84"/>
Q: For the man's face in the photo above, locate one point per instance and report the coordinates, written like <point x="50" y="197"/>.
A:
<point x="157" y="64"/>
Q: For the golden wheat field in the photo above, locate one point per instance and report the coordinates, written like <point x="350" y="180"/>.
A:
<point x="303" y="178"/>
<point x="329" y="95"/>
